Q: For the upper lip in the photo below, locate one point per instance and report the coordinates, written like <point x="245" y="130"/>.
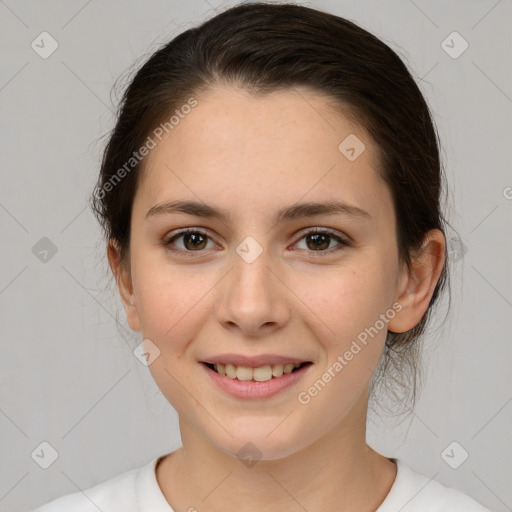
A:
<point x="253" y="361"/>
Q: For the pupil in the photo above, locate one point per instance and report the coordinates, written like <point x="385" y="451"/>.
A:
<point x="321" y="241"/>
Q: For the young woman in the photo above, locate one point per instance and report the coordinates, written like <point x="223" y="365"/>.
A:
<point x="270" y="197"/>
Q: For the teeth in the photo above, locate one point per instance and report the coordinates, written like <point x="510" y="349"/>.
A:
<point x="230" y="371"/>
<point x="288" y="368"/>
<point x="260" y="374"/>
<point x="243" y="373"/>
<point x="277" y="370"/>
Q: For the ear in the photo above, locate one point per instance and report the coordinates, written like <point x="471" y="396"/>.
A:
<point x="418" y="283"/>
<point x="124" y="284"/>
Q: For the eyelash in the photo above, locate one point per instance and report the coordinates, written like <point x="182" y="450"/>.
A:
<point x="322" y="231"/>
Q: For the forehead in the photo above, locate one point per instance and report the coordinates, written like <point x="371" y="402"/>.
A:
<point x="288" y="143"/>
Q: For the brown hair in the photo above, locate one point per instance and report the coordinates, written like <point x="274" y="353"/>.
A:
<point x="270" y="47"/>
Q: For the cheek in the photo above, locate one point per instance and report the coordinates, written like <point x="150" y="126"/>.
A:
<point x="172" y="309"/>
<point x="171" y="302"/>
<point x="348" y="301"/>
<point x="351" y="305"/>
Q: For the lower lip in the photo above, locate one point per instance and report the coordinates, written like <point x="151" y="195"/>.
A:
<point x="250" y="389"/>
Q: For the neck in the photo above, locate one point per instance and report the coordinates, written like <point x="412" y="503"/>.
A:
<point x="337" y="472"/>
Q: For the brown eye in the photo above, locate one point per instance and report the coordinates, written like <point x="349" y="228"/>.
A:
<point x="321" y="241"/>
<point x="318" y="241"/>
<point x="189" y="241"/>
<point x="194" y="241"/>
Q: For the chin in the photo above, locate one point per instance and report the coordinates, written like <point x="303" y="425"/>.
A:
<point x="257" y="444"/>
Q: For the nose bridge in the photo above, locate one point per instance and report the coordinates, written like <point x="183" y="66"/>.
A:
<point x="251" y="272"/>
<point x="251" y="297"/>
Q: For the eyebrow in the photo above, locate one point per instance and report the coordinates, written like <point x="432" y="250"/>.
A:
<point x="299" y="210"/>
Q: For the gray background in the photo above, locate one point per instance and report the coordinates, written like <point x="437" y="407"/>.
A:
<point x="69" y="378"/>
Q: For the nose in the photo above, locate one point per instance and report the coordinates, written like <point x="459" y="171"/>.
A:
<point x="252" y="299"/>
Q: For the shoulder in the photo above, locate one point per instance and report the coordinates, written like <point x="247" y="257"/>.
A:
<point x="114" y="495"/>
<point x="414" y="492"/>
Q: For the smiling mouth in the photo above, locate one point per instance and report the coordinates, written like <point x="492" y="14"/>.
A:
<point x="259" y="374"/>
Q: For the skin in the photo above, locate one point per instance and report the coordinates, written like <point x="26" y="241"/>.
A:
<point x="252" y="156"/>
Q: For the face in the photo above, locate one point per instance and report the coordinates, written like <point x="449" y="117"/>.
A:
<point x="261" y="278"/>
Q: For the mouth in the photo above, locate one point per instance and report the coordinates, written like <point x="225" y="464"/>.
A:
<point x="262" y="373"/>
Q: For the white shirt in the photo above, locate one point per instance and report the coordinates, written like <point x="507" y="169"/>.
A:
<point x="137" y="490"/>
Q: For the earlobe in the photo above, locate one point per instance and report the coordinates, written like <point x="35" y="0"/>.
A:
<point x="124" y="285"/>
<point x="418" y="282"/>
